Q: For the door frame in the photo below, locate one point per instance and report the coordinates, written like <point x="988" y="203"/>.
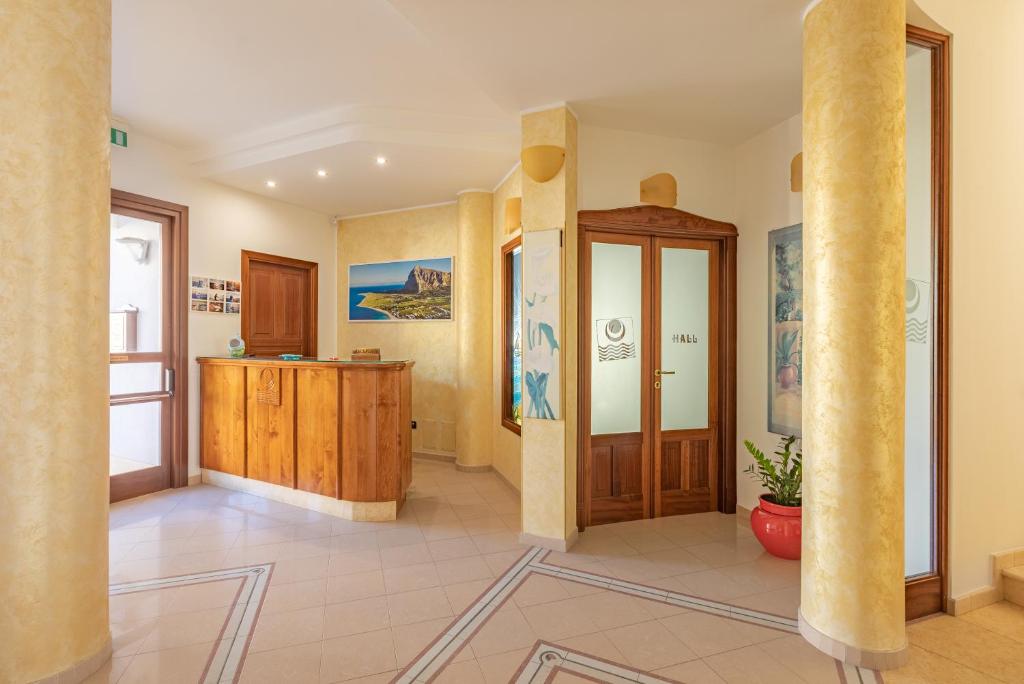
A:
<point x="176" y="304"/>
<point x="312" y="269"/>
<point x="927" y="594"/>
<point x="654" y="221"/>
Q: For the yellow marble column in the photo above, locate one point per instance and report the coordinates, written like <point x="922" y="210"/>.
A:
<point x="474" y="269"/>
<point x="54" y="253"/>
<point x="549" y="446"/>
<point x="851" y="602"/>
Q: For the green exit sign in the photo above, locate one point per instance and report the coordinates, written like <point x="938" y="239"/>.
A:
<point x="119" y="137"/>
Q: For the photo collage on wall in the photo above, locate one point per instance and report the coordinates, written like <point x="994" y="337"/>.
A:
<point x="214" y="295"/>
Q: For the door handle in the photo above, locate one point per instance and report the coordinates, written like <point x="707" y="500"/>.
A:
<point x="169" y="381"/>
<point x="664" y="372"/>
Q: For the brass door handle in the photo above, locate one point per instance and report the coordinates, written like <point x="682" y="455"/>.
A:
<point x="663" y="372"/>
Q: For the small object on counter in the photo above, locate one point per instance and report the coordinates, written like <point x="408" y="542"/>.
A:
<point x="333" y="358"/>
<point x="366" y="354"/>
<point x="290" y="357"/>
<point x="236" y="347"/>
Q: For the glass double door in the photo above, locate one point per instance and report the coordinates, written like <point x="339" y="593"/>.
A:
<point x="653" y="310"/>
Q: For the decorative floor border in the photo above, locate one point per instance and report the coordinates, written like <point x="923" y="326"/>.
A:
<point x="225" y="662"/>
<point x="550" y="658"/>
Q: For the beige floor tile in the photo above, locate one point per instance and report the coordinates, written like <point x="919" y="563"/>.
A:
<point x="358" y="655"/>
<point x="784" y="602"/>
<point x="348" y="562"/>
<point x="965" y="642"/>
<point x="558" y="620"/>
<point x="465" y="672"/>
<point x="693" y="672"/>
<point x="749" y="665"/>
<point x="127" y="637"/>
<point x="458" y="547"/>
<point x="417" y="606"/>
<point x="341" y="588"/>
<point x="295" y="595"/>
<point x="460" y="596"/>
<point x="496" y="542"/>
<point x="290" y="570"/>
<point x="710" y="584"/>
<point x="718" y="554"/>
<point x="649" y="645"/>
<point x="608" y="609"/>
<point x="411" y="577"/>
<point x="170" y="666"/>
<point x="288" y="629"/>
<point x="501" y="668"/>
<point x="379" y="678"/>
<point x="356" y="617"/>
<point x="925" y="667"/>
<point x="109" y="672"/>
<point x="1004" y="618"/>
<point x="402" y="536"/>
<point x="596" y="644"/>
<point x="459" y="570"/>
<point x="398" y="556"/>
<point x="675" y="561"/>
<point x="412" y="639"/>
<point x="490" y="524"/>
<point x="708" y="634"/>
<point x="805" y="660"/>
<point x="507" y="630"/>
<point x="293" y="664"/>
<point x="184" y="629"/>
<point x="540" y="589"/>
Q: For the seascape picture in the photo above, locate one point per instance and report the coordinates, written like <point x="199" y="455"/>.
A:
<point x="412" y="290"/>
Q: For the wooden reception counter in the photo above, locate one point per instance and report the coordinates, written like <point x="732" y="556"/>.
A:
<point x="333" y="436"/>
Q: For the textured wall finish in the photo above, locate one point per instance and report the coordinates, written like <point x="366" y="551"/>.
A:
<point x="549" y="447"/>
<point x="854" y="256"/>
<point x="474" y="270"/>
<point x="413" y="234"/>
<point x="54" y="254"/>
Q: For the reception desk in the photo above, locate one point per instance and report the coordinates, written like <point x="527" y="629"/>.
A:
<point x="332" y="436"/>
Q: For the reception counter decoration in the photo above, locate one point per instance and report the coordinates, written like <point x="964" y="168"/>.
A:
<point x="331" y="436"/>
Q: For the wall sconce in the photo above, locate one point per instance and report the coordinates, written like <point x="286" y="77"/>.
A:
<point x="659" y="190"/>
<point x="796" y="173"/>
<point x="542" y="162"/>
<point x="513" y="213"/>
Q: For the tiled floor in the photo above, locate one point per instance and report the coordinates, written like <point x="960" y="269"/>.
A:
<point x="271" y="593"/>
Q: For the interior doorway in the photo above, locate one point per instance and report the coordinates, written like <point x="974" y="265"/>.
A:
<point x="657" y="365"/>
<point x="148" y="343"/>
<point x="279" y="308"/>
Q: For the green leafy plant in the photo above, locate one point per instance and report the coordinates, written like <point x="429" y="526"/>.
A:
<point x="782" y="477"/>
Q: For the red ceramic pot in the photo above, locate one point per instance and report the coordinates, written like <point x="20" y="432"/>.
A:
<point x="777" y="528"/>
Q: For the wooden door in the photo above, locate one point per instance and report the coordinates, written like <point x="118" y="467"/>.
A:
<point x="279" y="300"/>
<point x="148" y="318"/>
<point x="684" y="382"/>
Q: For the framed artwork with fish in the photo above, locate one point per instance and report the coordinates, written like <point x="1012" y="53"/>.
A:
<point x="542" y="325"/>
<point x="785" y="330"/>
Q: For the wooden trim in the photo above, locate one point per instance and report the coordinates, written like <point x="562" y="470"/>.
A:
<point x="311" y="267"/>
<point x="176" y="305"/>
<point x="506" y="328"/>
<point x="650" y="222"/>
<point x="927" y="594"/>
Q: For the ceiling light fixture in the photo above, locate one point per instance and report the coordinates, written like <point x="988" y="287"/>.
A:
<point x="322" y="173"/>
<point x="381" y="160"/>
<point x="271" y="184"/>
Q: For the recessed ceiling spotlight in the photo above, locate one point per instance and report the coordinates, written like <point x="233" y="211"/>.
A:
<point x="322" y="173"/>
<point x="381" y="160"/>
<point x="271" y="184"/>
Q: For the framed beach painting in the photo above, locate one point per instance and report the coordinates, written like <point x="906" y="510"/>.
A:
<point x="785" y="330"/>
<point x="411" y="290"/>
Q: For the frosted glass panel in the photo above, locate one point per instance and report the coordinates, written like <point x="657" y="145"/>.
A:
<point x="920" y="467"/>
<point x="136" y="292"/>
<point x="132" y="378"/>
<point x="684" y="338"/>
<point x="615" y="325"/>
<point x="135" y="437"/>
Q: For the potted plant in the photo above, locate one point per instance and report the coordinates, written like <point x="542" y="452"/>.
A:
<point x="776" y="520"/>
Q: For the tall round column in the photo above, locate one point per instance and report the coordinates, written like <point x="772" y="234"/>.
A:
<point x="473" y="275"/>
<point x="854" y="262"/>
<point x="54" y="299"/>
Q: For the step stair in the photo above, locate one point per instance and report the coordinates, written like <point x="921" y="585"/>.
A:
<point x="1013" y="585"/>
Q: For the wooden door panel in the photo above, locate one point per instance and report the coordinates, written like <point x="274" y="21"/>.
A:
<point x="278" y="305"/>
<point x="359" y="438"/>
<point x="317" y="431"/>
<point x="686" y="472"/>
<point x="616" y="476"/>
<point x="261" y="287"/>
<point x="270" y="403"/>
<point x="222" y="427"/>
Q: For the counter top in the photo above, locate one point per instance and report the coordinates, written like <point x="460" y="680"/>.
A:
<point x="383" y="364"/>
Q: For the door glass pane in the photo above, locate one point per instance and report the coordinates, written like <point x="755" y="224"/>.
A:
<point x="517" y="342"/>
<point x="918" y="451"/>
<point x="136" y="292"/>
<point x="616" y="307"/>
<point x="131" y="378"/>
<point x="135" y="437"/>
<point x="684" y="338"/>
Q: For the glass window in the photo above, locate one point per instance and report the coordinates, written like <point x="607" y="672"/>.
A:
<point x="512" y="327"/>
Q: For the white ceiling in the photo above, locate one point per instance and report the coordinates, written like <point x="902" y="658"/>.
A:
<point x="259" y="89"/>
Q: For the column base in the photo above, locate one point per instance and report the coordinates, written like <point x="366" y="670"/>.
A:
<point x="83" y="669"/>
<point x="858" y="657"/>
<point x="552" y="543"/>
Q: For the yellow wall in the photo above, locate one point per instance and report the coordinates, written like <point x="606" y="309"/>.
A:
<point x="427" y="232"/>
<point x="986" y="248"/>
<point x="507" y="444"/>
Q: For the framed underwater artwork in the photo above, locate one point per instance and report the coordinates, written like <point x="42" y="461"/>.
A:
<point x="785" y="330"/>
